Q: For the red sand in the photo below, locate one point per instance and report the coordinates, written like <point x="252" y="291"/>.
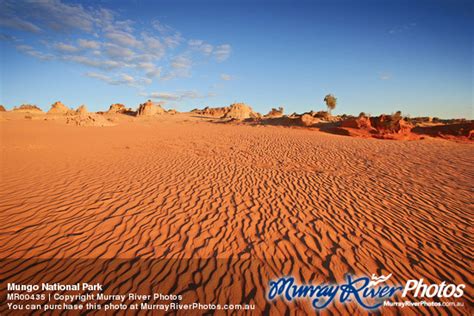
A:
<point x="314" y="205"/>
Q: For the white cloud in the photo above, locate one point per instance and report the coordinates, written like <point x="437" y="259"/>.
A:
<point x="97" y="76"/>
<point x="151" y="70"/>
<point x="42" y="15"/>
<point x="174" y="40"/>
<point x="201" y="46"/>
<point x="207" y="49"/>
<point x="7" y="38"/>
<point x="61" y="16"/>
<point x="195" y="43"/>
<point x="105" y="42"/>
<point x="162" y="28"/>
<point x="155" y="73"/>
<point x="102" y="64"/>
<point x="33" y="52"/>
<point x="222" y="52"/>
<point x="119" y="79"/>
<point x="124" y="25"/>
<point x="171" y="37"/>
<point x="110" y="64"/>
<point x="226" y="77"/>
<point x="87" y="44"/>
<point x="164" y="96"/>
<point x="385" y="76"/>
<point x="118" y="52"/>
<point x="146" y="66"/>
<point x="122" y="38"/>
<point x="65" y="48"/>
<point x="127" y="78"/>
<point x="153" y="46"/>
<point x="402" y="28"/>
<point x="181" y="62"/>
<point x="177" y="96"/>
<point x="19" y="24"/>
<point x="180" y="68"/>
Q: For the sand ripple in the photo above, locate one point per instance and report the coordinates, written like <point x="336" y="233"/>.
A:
<point x="252" y="202"/>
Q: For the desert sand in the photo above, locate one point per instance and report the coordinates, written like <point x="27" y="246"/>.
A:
<point x="228" y="207"/>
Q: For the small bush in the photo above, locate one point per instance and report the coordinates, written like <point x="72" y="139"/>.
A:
<point x="331" y="101"/>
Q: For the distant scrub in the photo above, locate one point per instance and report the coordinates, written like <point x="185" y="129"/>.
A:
<point x="331" y="101"/>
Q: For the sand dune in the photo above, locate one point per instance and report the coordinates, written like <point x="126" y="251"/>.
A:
<point x="225" y="208"/>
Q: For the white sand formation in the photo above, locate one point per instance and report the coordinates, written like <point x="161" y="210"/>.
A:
<point x="308" y="120"/>
<point x="275" y="113"/>
<point x="216" y="112"/>
<point x="149" y="109"/>
<point x="59" y="108"/>
<point x="117" y="108"/>
<point x="90" y="119"/>
<point x="240" y="111"/>
<point x="28" y="108"/>
<point x="82" y="110"/>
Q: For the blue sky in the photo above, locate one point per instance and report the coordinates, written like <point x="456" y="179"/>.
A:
<point x="375" y="56"/>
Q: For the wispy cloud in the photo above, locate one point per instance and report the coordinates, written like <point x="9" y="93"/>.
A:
<point x="385" y="76"/>
<point x="180" y="67"/>
<point x="154" y="46"/>
<point x="181" y="62"/>
<point x="102" y="64"/>
<point x="402" y="28"/>
<point x="222" y="52"/>
<point x="105" y="42"/>
<point x="176" y="96"/>
<point x="151" y="70"/>
<point x="226" y="77"/>
<point x="29" y="50"/>
<point x="88" y="44"/>
<point x="164" y="96"/>
<point x="122" y="38"/>
<point x="118" y="52"/>
<point x="66" y="48"/>
<point x="121" y="79"/>
<point x="201" y="46"/>
<point x="7" y="38"/>
<point x="39" y="16"/>
<point x="19" y="24"/>
<point x="164" y="29"/>
<point x="174" y="40"/>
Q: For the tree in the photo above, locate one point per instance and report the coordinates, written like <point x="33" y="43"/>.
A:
<point x="331" y="101"/>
